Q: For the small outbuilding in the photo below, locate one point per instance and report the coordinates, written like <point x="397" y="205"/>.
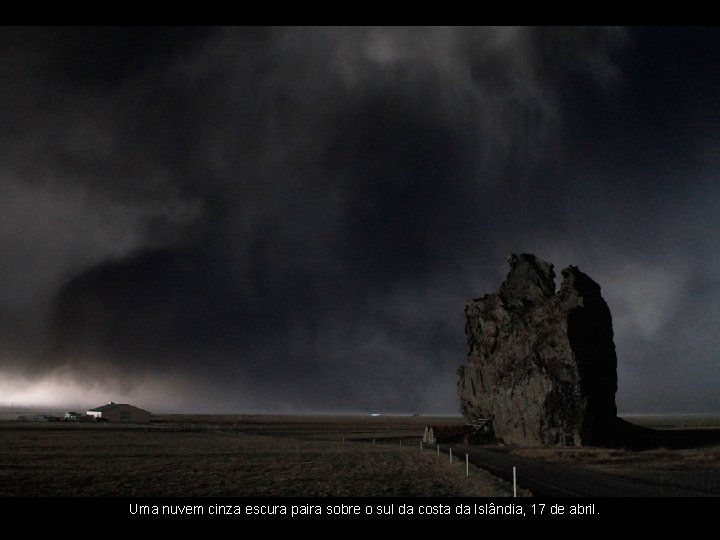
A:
<point x="120" y="412"/>
<point x="72" y="416"/>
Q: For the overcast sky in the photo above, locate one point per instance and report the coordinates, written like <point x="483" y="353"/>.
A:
<point x="292" y="219"/>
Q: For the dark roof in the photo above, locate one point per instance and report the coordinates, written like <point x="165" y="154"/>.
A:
<point x="103" y="408"/>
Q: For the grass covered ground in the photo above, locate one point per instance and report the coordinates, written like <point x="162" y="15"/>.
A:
<point x="270" y="459"/>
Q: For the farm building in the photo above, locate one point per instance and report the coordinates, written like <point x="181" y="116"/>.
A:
<point x="119" y="412"/>
<point x="72" y="416"/>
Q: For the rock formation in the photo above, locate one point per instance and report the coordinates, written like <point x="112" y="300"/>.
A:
<point x="541" y="364"/>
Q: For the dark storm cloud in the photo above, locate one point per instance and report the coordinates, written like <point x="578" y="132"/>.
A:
<point x="294" y="218"/>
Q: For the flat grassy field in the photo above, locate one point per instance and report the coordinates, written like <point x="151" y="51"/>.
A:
<point x="234" y="456"/>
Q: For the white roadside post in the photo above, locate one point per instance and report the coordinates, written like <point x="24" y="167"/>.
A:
<point x="514" y="482"/>
<point x="467" y="466"/>
<point x="451" y="454"/>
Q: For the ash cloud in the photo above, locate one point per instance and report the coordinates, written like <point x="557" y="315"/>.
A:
<point x="293" y="218"/>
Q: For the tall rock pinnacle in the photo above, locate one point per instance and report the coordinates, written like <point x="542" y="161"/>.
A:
<point x="541" y="364"/>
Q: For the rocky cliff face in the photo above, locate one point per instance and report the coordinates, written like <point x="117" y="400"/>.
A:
<point x="541" y="363"/>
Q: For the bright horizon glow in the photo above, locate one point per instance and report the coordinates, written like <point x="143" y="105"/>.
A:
<point x="62" y="390"/>
<point x="165" y="396"/>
